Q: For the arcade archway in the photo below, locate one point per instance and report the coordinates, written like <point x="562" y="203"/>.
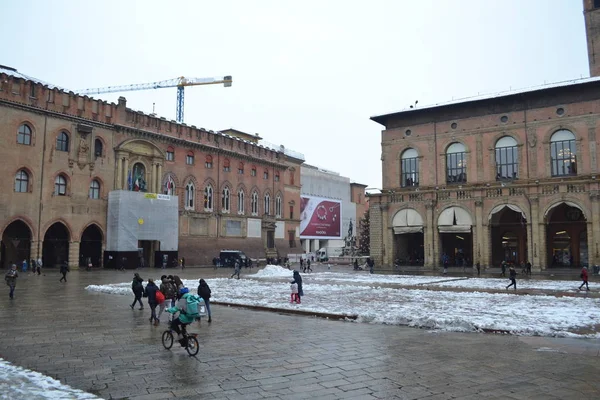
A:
<point x="90" y="248"/>
<point x="56" y="245"/>
<point x="456" y="237"/>
<point x="566" y="236"/>
<point x="16" y="244"/>
<point x="509" y="234"/>
<point x="407" y="225"/>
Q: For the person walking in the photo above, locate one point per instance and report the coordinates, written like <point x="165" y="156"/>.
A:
<point x="39" y="266"/>
<point x="123" y="261"/>
<point x="150" y="293"/>
<point x="584" y="278"/>
<point x="204" y="292"/>
<point x="24" y="266"/>
<point x="503" y="268"/>
<point x="138" y="290"/>
<point x="512" y="276"/>
<point x="528" y="268"/>
<point x="298" y="280"/>
<point x="478" y="269"/>
<point x="182" y="263"/>
<point x="11" y="280"/>
<point x="308" y="268"/>
<point x="178" y="283"/>
<point x="168" y="289"/>
<point x="237" y="269"/>
<point x="64" y="268"/>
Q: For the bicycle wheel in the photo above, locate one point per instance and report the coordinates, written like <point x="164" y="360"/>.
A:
<point x="167" y="339"/>
<point x="192" y="346"/>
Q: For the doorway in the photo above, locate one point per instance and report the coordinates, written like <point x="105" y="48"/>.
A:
<point x="146" y="252"/>
<point x="90" y="250"/>
<point x="16" y="244"/>
<point x="56" y="245"/>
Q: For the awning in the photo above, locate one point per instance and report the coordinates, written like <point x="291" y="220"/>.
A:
<point x="399" y="230"/>
<point x="454" y="219"/>
<point x="569" y="203"/>
<point x="407" y="221"/>
<point x="499" y="208"/>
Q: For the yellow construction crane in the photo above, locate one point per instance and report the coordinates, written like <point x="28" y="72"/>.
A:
<point x="180" y="83"/>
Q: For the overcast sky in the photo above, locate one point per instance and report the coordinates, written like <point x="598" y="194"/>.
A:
<point x="306" y="74"/>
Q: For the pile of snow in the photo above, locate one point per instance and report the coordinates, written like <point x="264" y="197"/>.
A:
<point x="21" y="383"/>
<point x="363" y="296"/>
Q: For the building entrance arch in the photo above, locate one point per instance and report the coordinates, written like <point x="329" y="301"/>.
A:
<point x="455" y="227"/>
<point x="407" y="226"/>
<point x="55" y="250"/>
<point x="90" y="248"/>
<point x="16" y="244"/>
<point x="508" y="229"/>
<point x="566" y="236"/>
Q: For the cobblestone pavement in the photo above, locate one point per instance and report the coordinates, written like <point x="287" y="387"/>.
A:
<point x="95" y="342"/>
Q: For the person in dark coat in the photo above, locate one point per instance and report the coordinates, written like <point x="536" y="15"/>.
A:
<point x="150" y="293"/>
<point x="64" y="268"/>
<point x="11" y="280"/>
<point x="512" y="276"/>
<point x="298" y="280"/>
<point x="584" y="278"/>
<point x="138" y="290"/>
<point x="204" y="292"/>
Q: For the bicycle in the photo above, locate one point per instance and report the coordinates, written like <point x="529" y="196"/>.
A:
<point x="191" y="340"/>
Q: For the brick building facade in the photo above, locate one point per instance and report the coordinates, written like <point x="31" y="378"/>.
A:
<point x="511" y="177"/>
<point x="63" y="153"/>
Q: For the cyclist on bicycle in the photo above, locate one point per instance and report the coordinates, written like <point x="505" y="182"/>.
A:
<point x="182" y="319"/>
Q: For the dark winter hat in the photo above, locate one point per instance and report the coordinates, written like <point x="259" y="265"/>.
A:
<point x="163" y="277"/>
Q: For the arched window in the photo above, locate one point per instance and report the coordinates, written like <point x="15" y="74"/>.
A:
<point x="240" y="204"/>
<point x="22" y="181"/>
<point x="189" y="158"/>
<point x="190" y="192"/>
<point x="267" y="204"/>
<point x="278" y="206"/>
<point x="456" y="163"/>
<point x="563" y="153"/>
<point x="60" y="186"/>
<point x="169" y="187"/>
<point x="170" y="154"/>
<point x="253" y="171"/>
<point x="507" y="160"/>
<point x="209" y="162"/>
<point x="410" y="168"/>
<point x="241" y="168"/>
<point x="254" y="204"/>
<point x="24" y="134"/>
<point x="208" y="198"/>
<point x="276" y="176"/>
<point x="226" y="165"/>
<point x="62" y="142"/>
<point x="94" y="189"/>
<point x="225" y="200"/>
<point x="266" y="174"/>
<point x="98" y="148"/>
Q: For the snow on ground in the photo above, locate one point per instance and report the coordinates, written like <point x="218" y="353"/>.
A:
<point x="21" y="383"/>
<point x="361" y="295"/>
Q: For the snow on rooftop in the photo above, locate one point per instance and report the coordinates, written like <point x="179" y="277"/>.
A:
<point x="486" y="96"/>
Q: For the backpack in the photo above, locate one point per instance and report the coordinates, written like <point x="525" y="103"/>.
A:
<point x="160" y="297"/>
<point x="195" y="306"/>
<point x="170" y="290"/>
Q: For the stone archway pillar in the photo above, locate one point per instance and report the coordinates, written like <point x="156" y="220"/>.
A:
<point x="159" y="178"/>
<point x="534" y="236"/>
<point x="594" y="232"/>
<point x="480" y="235"/>
<point x="36" y="249"/>
<point x="125" y="174"/>
<point x="74" y="254"/>
<point x="542" y="249"/>
<point x="428" y="233"/>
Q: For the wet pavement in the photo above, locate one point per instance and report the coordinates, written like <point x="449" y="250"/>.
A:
<point x="96" y="343"/>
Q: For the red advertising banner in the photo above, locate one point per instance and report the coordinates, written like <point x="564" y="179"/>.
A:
<point x="320" y="218"/>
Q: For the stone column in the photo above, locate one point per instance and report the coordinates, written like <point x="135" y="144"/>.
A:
<point x="125" y="174"/>
<point x="541" y="246"/>
<point x="152" y="180"/>
<point x="118" y="183"/>
<point x="480" y="233"/>
<point x="428" y="236"/>
<point x="533" y="235"/>
<point x="486" y="247"/>
<point x="594" y="232"/>
<point x="74" y="255"/>
<point x="436" y="241"/>
<point x="376" y="231"/>
<point x="36" y="249"/>
<point x="159" y="179"/>
<point x="387" y="237"/>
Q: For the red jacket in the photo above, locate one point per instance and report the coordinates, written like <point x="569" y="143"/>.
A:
<point x="584" y="274"/>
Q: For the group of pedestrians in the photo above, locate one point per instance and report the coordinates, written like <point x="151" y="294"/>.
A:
<point x="164" y="296"/>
